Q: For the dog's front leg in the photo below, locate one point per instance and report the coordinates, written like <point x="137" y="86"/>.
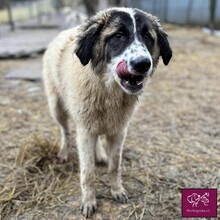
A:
<point x="86" y="149"/>
<point x="115" y="146"/>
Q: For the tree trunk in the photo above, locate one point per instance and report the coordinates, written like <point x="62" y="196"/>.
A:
<point x="91" y="6"/>
<point x="114" y="3"/>
<point x="2" y="4"/>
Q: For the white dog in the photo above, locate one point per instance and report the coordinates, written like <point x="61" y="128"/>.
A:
<point x="94" y="74"/>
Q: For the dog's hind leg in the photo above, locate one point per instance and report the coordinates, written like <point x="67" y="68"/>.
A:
<point x="114" y="147"/>
<point x="60" y="116"/>
<point x="101" y="157"/>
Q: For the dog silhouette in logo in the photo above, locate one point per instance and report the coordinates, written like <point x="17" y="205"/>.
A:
<point x="195" y="198"/>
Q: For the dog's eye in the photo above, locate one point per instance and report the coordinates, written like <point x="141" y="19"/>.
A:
<point x="147" y="36"/>
<point x="119" y="35"/>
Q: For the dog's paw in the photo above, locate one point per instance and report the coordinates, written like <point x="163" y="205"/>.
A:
<point x="120" y="195"/>
<point x="88" y="208"/>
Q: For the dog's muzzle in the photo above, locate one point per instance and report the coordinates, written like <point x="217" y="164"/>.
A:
<point x="133" y="82"/>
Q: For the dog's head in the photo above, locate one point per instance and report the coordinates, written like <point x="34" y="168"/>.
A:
<point x="125" y="44"/>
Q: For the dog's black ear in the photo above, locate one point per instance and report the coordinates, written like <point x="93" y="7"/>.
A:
<point x="165" y="50"/>
<point x="86" y="42"/>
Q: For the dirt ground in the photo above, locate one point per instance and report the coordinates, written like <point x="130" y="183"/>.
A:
<point x="173" y="142"/>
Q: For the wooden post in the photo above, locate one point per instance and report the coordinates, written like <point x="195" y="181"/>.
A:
<point x="10" y="17"/>
<point x="39" y="15"/>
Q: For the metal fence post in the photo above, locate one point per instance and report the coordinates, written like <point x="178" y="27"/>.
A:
<point x="212" y="15"/>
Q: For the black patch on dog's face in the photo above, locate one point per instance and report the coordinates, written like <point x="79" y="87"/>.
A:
<point x="143" y="27"/>
<point x="143" y="34"/>
<point x="122" y="37"/>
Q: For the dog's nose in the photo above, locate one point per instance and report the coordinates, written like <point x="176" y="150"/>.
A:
<point x="141" y="64"/>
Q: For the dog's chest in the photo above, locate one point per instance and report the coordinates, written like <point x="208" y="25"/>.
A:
<point x="106" y="113"/>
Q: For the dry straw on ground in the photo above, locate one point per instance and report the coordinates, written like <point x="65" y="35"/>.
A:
<point x="173" y="142"/>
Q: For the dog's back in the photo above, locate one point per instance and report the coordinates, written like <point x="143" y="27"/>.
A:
<point x="53" y="60"/>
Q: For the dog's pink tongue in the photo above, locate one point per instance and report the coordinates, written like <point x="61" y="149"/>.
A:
<point x="122" y="70"/>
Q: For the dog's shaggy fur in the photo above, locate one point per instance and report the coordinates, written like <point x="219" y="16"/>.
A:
<point x="94" y="73"/>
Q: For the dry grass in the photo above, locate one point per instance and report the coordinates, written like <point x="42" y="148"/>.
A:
<point x="173" y="142"/>
<point x="36" y="179"/>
